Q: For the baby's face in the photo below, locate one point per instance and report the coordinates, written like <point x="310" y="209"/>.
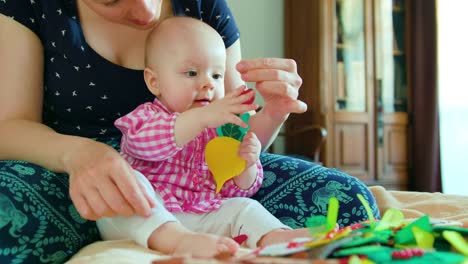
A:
<point x="192" y="72"/>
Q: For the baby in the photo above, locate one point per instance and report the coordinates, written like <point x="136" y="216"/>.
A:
<point x="165" y="141"/>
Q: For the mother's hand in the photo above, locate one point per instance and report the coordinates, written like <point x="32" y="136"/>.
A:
<point x="277" y="81"/>
<point x="102" y="183"/>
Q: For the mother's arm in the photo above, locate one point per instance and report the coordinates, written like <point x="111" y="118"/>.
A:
<point x="100" y="180"/>
<point x="278" y="82"/>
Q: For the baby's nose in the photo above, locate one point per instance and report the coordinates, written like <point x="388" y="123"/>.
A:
<point x="208" y="83"/>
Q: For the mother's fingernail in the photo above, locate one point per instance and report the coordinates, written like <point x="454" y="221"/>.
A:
<point x="241" y="66"/>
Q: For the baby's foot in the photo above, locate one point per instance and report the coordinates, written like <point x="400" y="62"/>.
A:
<point x="205" y="245"/>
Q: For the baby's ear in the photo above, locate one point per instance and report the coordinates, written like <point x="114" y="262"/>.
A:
<point x="151" y="80"/>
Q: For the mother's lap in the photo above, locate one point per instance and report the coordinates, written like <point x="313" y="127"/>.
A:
<point x="38" y="222"/>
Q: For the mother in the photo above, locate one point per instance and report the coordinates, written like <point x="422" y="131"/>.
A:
<point x="68" y="69"/>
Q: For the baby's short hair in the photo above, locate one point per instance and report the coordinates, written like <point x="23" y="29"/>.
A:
<point x="167" y="28"/>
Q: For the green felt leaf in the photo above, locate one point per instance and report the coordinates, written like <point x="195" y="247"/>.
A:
<point x="462" y="230"/>
<point x="367" y="208"/>
<point x="457" y="241"/>
<point x="332" y="214"/>
<point x="405" y="236"/>
<point x="424" y="240"/>
<point x="234" y="131"/>
<point x="229" y="130"/>
<point x="366" y="250"/>
<point x="382" y="237"/>
<point x="316" y="225"/>
<point x="392" y="218"/>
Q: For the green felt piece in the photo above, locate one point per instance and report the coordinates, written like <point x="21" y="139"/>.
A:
<point x="383" y="253"/>
<point x="381" y="237"/>
<point x="423" y="238"/>
<point x="457" y="241"/>
<point x="324" y="251"/>
<point x="429" y="258"/>
<point x="234" y="131"/>
<point x="367" y="208"/>
<point x="406" y="237"/>
<point x="332" y="214"/>
<point x="316" y="225"/>
<point x="392" y="218"/>
<point x="461" y="230"/>
<point x="363" y="230"/>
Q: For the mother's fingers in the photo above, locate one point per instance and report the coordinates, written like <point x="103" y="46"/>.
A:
<point x="99" y="205"/>
<point x="267" y="63"/>
<point x="284" y="105"/>
<point x="83" y="208"/>
<point x="259" y="75"/>
<point x="268" y="88"/>
<point x="113" y="197"/>
<point x="297" y="107"/>
<point x="130" y="189"/>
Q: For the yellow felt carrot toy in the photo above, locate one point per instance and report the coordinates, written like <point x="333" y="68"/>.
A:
<point x="221" y="152"/>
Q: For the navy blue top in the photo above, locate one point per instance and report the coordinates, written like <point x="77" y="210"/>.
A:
<point x="83" y="92"/>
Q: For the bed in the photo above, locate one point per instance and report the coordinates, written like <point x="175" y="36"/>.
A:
<point x="413" y="205"/>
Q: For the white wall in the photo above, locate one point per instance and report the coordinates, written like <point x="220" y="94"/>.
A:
<point x="453" y="95"/>
<point x="261" y="27"/>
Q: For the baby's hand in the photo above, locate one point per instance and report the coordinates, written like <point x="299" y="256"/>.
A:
<point x="250" y="148"/>
<point x="224" y="110"/>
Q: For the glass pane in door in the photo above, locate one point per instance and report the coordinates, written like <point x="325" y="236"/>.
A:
<point x="391" y="89"/>
<point x="350" y="88"/>
<point x="390" y="55"/>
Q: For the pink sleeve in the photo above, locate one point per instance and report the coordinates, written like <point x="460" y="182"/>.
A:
<point x="148" y="134"/>
<point x="230" y="189"/>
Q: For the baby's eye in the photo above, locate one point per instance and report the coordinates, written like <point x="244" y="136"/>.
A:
<point x="217" y="76"/>
<point x="191" y="73"/>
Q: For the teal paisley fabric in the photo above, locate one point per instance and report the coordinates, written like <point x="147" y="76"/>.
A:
<point x="294" y="189"/>
<point x="39" y="224"/>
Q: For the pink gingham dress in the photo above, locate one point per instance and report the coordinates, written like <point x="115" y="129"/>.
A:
<point x="179" y="174"/>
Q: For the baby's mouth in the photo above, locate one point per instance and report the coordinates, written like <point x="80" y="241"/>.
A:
<point x="205" y="100"/>
<point x="202" y="102"/>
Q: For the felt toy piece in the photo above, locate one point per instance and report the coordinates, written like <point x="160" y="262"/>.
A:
<point x="367" y="208"/>
<point x="392" y="218"/>
<point x="240" y="238"/>
<point x="424" y="239"/>
<point x="252" y="99"/>
<point x="461" y="230"/>
<point x="380" y="237"/>
<point x="407" y="253"/>
<point x="234" y="131"/>
<point x="316" y="225"/>
<point x="381" y="253"/>
<point x="222" y="159"/>
<point x="319" y="225"/>
<point x="332" y="216"/>
<point x="329" y="237"/>
<point x="406" y="235"/>
<point x="221" y="152"/>
<point x="457" y="241"/>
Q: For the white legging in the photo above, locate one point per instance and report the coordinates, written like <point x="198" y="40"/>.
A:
<point x="236" y="216"/>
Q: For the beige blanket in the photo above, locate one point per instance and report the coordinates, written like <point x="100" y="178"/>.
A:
<point x="412" y="204"/>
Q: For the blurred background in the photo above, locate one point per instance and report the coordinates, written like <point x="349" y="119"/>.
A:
<point x="385" y="80"/>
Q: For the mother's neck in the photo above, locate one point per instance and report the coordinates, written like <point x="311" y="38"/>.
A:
<point x="117" y="43"/>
